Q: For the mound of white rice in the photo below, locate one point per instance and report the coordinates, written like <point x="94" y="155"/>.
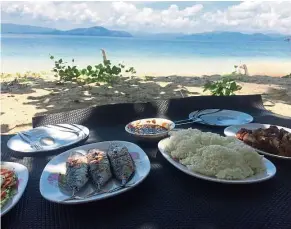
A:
<point x="213" y="155"/>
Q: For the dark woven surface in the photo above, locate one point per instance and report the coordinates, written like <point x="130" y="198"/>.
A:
<point x="167" y="198"/>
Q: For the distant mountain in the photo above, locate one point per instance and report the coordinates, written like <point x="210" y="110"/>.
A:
<point x="157" y="35"/>
<point x="230" y="36"/>
<point x="24" y="29"/>
<point x="92" y="31"/>
<point x="101" y="31"/>
<point x="97" y="31"/>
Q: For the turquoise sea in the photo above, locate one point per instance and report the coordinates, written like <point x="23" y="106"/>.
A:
<point x="23" y="52"/>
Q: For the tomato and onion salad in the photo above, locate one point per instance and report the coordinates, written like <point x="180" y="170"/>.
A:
<point x="9" y="183"/>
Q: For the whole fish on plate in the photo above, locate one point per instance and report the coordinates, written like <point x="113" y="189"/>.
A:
<point x="77" y="171"/>
<point x="122" y="164"/>
<point x="99" y="167"/>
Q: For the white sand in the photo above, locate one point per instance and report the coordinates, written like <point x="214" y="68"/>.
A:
<point x="21" y="101"/>
<point x="164" y="67"/>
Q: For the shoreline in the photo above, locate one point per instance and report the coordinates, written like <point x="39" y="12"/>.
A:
<point x="163" y="67"/>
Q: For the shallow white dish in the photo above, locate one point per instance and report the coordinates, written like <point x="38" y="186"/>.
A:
<point x="22" y="175"/>
<point x="232" y="130"/>
<point x="269" y="173"/>
<point x="221" y="117"/>
<point x="49" y="187"/>
<point x="159" y="121"/>
<point x="62" y="136"/>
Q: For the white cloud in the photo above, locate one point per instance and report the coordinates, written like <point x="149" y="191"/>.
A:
<point x="191" y="11"/>
<point x="246" y="16"/>
<point x="148" y="18"/>
<point x="253" y="17"/>
<point x="124" y="8"/>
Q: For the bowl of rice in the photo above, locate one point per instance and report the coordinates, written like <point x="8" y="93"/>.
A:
<point x="150" y="128"/>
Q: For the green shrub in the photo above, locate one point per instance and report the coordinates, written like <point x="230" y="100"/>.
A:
<point x="102" y="72"/>
<point x="149" y="78"/>
<point x="223" y="87"/>
<point x="287" y="76"/>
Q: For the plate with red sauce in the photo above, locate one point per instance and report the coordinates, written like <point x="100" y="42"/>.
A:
<point x="150" y="128"/>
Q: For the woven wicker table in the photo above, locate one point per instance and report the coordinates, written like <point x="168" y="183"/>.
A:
<point x="167" y="198"/>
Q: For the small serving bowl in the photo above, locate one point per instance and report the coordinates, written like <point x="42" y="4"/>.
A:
<point x="135" y="128"/>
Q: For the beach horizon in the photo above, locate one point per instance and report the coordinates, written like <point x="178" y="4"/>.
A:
<point x="152" y="57"/>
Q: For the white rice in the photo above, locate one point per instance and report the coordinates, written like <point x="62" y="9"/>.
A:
<point x="213" y="155"/>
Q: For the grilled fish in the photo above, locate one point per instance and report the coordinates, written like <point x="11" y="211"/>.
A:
<point x="77" y="171"/>
<point x="122" y="163"/>
<point x="99" y="167"/>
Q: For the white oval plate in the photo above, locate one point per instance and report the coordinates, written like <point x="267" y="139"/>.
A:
<point x="269" y="173"/>
<point x="232" y="130"/>
<point x="22" y="175"/>
<point x="49" y="187"/>
<point x="62" y="136"/>
<point x="221" y="117"/>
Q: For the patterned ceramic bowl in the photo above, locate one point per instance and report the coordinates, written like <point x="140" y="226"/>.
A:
<point x="150" y="128"/>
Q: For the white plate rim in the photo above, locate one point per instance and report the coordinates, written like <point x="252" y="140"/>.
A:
<point x="184" y="169"/>
<point x="24" y="175"/>
<point x="227" y="132"/>
<point x="103" y="196"/>
<point x="33" y="151"/>
<point x="209" y="124"/>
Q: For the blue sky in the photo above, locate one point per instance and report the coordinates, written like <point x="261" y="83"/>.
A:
<point x="155" y="17"/>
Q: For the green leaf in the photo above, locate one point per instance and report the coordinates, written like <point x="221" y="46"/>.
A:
<point x="52" y="57"/>
<point x="131" y="70"/>
<point x="60" y="61"/>
<point x="89" y="68"/>
<point x="115" y="70"/>
<point x="99" y="66"/>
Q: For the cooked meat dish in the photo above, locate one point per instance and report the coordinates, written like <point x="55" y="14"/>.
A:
<point x="77" y="171"/>
<point x="99" y="167"/>
<point x="122" y="163"/>
<point x="272" y="140"/>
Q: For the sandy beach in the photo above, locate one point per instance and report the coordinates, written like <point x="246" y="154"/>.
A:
<point x="163" y="67"/>
<point x="24" y="98"/>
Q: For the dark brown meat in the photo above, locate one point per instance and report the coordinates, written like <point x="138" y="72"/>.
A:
<point x="249" y="139"/>
<point x="242" y="132"/>
<point x="272" y="140"/>
<point x="283" y="133"/>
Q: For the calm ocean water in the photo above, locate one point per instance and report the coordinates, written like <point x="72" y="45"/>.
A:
<point x="36" y="49"/>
